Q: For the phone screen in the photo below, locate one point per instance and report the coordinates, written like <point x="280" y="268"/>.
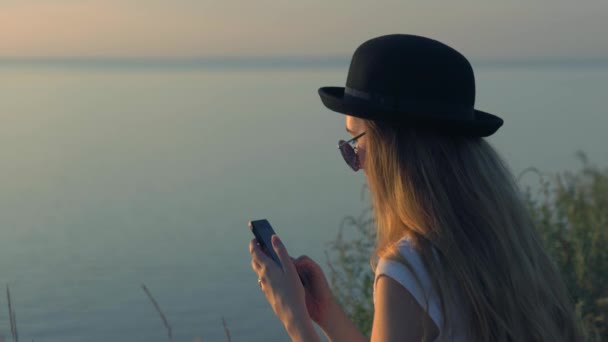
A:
<point x="262" y="230"/>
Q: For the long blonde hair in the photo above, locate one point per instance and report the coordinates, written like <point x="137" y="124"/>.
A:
<point x="456" y="196"/>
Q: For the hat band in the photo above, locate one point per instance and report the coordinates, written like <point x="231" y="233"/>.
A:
<point x="405" y="104"/>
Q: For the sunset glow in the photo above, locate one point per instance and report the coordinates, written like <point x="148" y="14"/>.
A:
<point x="212" y="28"/>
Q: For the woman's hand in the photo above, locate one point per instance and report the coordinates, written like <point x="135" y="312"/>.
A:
<point x="322" y="307"/>
<point x="282" y="287"/>
<point x="319" y="299"/>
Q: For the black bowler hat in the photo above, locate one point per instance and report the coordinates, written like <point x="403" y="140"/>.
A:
<point x="411" y="80"/>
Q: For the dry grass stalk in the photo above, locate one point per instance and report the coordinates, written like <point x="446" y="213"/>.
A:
<point x="12" y="316"/>
<point x="160" y="312"/>
<point x="226" y="329"/>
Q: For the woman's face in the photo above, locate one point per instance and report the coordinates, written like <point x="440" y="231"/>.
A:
<point x="356" y="126"/>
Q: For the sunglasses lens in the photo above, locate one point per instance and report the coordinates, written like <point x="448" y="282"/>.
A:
<point x="349" y="155"/>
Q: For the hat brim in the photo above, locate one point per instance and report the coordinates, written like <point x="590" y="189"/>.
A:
<point x="483" y="125"/>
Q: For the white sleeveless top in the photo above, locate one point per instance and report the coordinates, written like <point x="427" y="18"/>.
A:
<point x="401" y="274"/>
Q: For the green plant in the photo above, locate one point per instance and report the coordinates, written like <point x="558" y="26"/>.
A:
<point x="350" y="274"/>
<point x="570" y="212"/>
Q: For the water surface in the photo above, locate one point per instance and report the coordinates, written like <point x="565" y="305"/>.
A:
<point x="117" y="176"/>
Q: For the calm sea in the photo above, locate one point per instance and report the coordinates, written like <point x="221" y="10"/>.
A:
<point x="117" y="175"/>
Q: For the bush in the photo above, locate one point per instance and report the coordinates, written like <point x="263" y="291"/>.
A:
<point x="351" y="278"/>
<point x="570" y="212"/>
<point x="571" y="215"/>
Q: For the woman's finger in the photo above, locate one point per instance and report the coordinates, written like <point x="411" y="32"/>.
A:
<point x="256" y="266"/>
<point x="254" y="247"/>
<point x="284" y="257"/>
<point x="252" y="244"/>
<point x="307" y="262"/>
<point x="308" y="269"/>
<point x="258" y="255"/>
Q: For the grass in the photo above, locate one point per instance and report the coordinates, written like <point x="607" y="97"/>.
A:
<point x="159" y="311"/>
<point x="165" y="321"/>
<point x="12" y="317"/>
<point x="163" y="317"/>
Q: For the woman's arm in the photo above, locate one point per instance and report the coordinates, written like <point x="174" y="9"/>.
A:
<point x="398" y="316"/>
<point x="300" y="329"/>
<point x="338" y="327"/>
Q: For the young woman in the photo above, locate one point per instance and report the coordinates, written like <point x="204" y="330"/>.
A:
<point x="457" y="257"/>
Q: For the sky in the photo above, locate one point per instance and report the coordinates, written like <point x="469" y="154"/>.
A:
<point x="486" y="30"/>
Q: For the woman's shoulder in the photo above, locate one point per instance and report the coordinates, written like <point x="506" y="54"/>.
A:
<point x="415" y="267"/>
<point x="413" y="277"/>
<point x="417" y="280"/>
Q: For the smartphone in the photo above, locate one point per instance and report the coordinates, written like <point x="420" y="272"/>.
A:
<point x="262" y="230"/>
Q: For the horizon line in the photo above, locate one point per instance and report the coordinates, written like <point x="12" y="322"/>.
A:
<point x="265" y="61"/>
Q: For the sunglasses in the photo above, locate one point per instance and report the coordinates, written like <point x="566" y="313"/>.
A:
<point x="349" y="153"/>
